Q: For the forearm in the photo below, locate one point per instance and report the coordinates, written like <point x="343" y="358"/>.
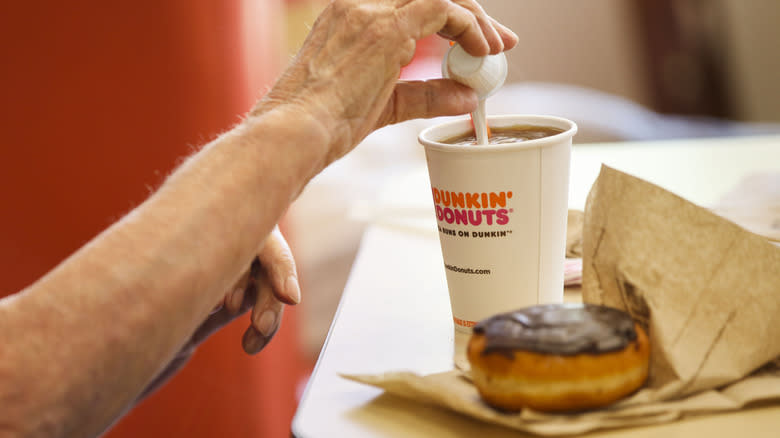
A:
<point x="79" y="345"/>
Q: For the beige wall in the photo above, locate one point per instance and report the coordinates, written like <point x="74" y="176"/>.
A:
<point x="591" y="43"/>
<point x="300" y="16"/>
<point x="597" y="44"/>
<point x="751" y="40"/>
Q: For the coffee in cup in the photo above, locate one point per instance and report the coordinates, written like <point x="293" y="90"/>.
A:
<point x="506" y="135"/>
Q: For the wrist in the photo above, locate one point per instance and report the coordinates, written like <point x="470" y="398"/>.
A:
<point x="290" y="125"/>
<point x="290" y="145"/>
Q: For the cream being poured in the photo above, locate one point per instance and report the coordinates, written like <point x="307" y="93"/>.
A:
<point x="479" y="118"/>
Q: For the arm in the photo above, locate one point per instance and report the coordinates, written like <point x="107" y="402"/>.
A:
<point x="80" y="344"/>
<point x="78" y="347"/>
<point x="270" y="282"/>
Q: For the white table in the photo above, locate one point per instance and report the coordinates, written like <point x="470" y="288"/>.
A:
<point x="394" y="313"/>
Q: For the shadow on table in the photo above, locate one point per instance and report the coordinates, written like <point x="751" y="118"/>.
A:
<point x="389" y="415"/>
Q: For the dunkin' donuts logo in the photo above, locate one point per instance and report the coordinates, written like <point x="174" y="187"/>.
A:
<point x="468" y="208"/>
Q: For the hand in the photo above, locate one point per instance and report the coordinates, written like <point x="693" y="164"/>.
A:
<point x="345" y="75"/>
<point x="270" y="282"/>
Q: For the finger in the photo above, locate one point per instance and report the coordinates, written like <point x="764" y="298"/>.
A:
<point x="486" y="25"/>
<point x="221" y="318"/>
<point x="425" y="99"/>
<point x="277" y="259"/>
<point x="235" y="296"/>
<point x="266" y="318"/>
<point x="219" y="306"/>
<point x="256" y="277"/>
<point x="421" y="18"/>
<point x="267" y="310"/>
<point x="508" y="37"/>
<point x="253" y="341"/>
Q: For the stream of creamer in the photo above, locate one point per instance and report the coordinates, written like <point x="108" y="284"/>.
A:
<point x="479" y="118"/>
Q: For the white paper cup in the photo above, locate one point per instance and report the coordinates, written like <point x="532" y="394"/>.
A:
<point x="501" y="212"/>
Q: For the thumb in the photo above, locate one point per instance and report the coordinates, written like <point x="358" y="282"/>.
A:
<point x="427" y="99"/>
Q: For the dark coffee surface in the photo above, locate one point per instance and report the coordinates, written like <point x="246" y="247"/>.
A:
<point x="510" y="134"/>
<point x="565" y="329"/>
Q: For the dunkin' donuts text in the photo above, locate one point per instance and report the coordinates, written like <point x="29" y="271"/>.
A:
<point x="464" y="208"/>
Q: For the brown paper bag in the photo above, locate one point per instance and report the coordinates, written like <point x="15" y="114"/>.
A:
<point x="707" y="290"/>
<point x="453" y="391"/>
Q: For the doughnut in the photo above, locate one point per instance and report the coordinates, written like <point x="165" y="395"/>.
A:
<point x="558" y="357"/>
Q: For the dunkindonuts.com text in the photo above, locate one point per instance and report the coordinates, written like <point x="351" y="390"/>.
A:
<point x="467" y="270"/>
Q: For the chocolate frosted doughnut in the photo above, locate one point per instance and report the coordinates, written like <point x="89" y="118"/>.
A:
<point x="559" y="357"/>
<point x="564" y="329"/>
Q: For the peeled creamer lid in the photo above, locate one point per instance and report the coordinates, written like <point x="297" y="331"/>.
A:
<point x="485" y="74"/>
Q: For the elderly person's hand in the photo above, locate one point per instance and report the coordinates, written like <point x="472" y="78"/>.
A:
<point x="265" y="287"/>
<point x="118" y="310"/>
<point x="345" y="76"/>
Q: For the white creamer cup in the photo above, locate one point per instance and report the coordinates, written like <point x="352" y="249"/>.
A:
<point x="501" y="212"/>
<point x="484" y="74"/>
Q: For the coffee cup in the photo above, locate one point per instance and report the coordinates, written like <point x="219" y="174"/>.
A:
<point x="501" y="212"/>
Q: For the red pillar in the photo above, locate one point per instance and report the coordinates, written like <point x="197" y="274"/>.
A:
<point x="100" y="100"/>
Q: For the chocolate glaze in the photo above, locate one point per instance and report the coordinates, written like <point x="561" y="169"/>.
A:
<point x="564" y="329"/>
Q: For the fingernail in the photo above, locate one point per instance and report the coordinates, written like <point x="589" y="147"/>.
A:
<point x="267" y="322"/>
<point x="252" y="342"/>
<point x="293" y="289"/>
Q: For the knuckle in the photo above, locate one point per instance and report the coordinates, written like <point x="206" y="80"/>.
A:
<point x="288" y="260"/>
<point x="374" y="33"/>
<point x="361" y="15"/>
<point x="340" y="6"/>
<point x="430" y="99"/>
<point x="407" y="51"/>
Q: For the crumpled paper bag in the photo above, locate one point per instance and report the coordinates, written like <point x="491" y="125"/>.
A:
<point x="707" y="290"/>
